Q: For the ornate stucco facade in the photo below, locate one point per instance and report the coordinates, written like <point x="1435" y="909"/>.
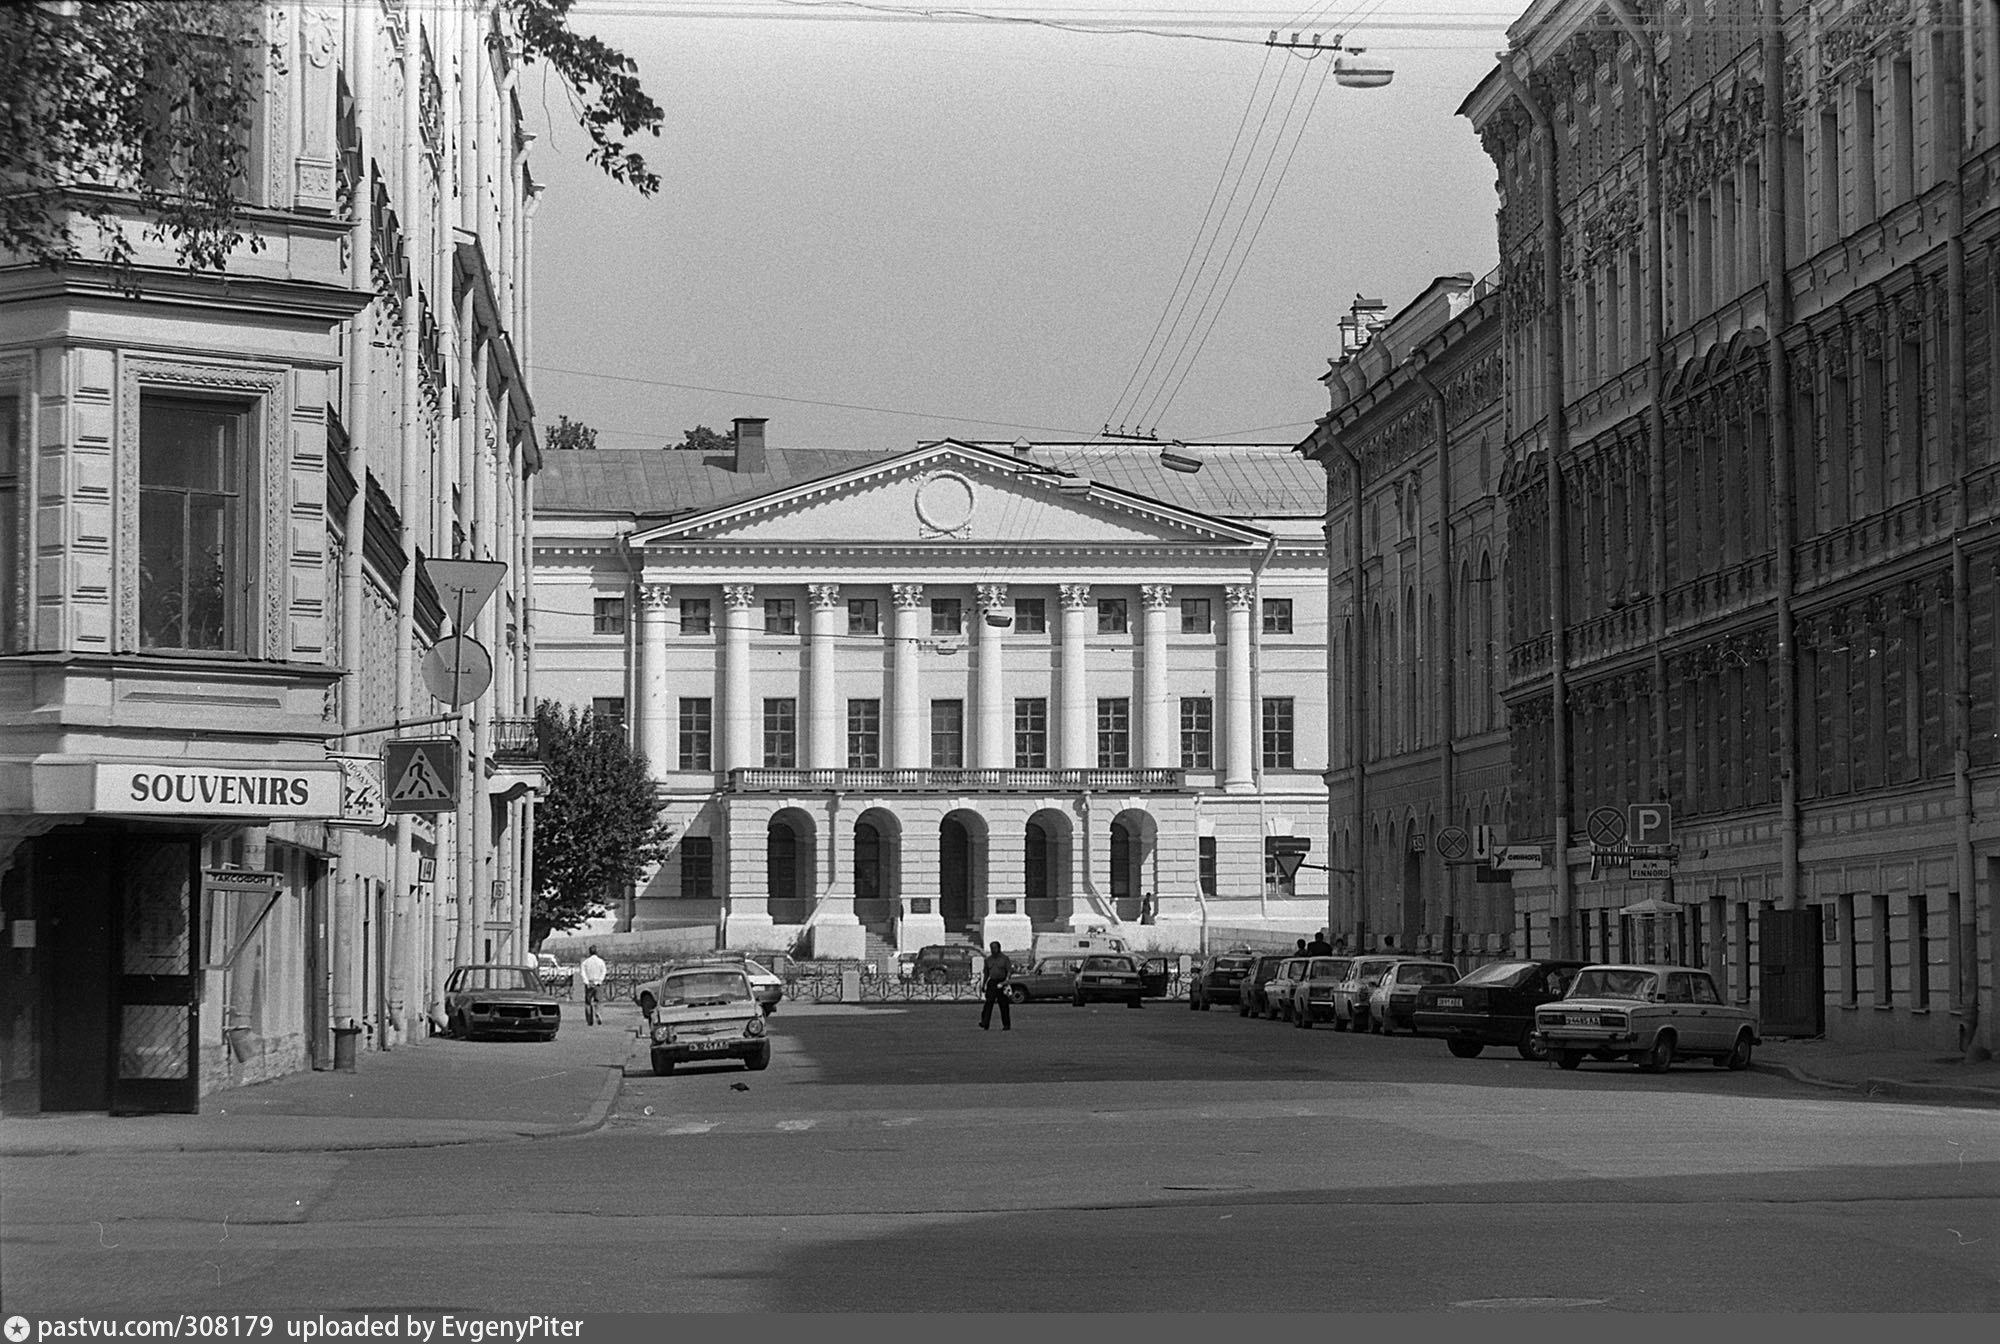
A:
<point x="216" y="498"/>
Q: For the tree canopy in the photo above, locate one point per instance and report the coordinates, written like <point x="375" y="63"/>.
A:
<point x="568" y="433"/>
<point x="702" y="439"/>
<point x="597" y="826"/>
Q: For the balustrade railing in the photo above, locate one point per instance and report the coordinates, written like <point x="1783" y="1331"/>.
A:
<point x="949" y="780"/>
<point x="1874" y="538"/>
<point x="515" y="740"/>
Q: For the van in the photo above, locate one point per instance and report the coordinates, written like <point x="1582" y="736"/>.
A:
<point x="1087" y="940"/>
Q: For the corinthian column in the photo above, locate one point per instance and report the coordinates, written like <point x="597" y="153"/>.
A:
<point x="989" y="689"/>
<point x="741" y="740"/>
<point x="1156" y="725"/>
<point x="1239" y="733"/>
<point x="652" y="717"/>
<point x="824" y="725"/>
<point x="909" y="741"/>
<point x="1079" y="728"/>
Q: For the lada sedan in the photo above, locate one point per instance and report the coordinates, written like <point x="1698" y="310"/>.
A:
<point x="489" y="1000"/>
<point x="1350" y="996"/>
<point x="1394" y="998"/>
<point x="1108" y="978"/>
<point x="1651" y="1015"/>
<point x="1277" y="995"/>
<point x="705" y="1013"/>
<point x="1312" y="994"/>
<point x="1219" y="982"/>
<point x="1050" y="978"/>
<point x="1494" y="1005"/>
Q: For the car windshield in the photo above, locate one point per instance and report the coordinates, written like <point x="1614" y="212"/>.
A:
<point x="704" y="987"/>
<point x="755" y="968"/>
<point x="1426" y="975"/>
<point x="1326" y="968"/>
<point x="1604" y="982"/>
<point x="498" y="977"/>
<point x="1232" y="963"/>
<point x="1499" y="973"/>
<point x="1107" y="964"/>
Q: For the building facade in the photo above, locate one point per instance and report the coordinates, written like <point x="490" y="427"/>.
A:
<point x="217" y="499"/>
<point x="966" y="690"/>
<point x="1419" y="759"/>
<point x="1748" y="284"/>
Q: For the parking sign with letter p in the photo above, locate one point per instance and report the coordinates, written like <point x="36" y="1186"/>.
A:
<point x="1649" y="824"/>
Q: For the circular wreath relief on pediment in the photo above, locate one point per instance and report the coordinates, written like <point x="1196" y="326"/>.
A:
<point x="944" y="503"/>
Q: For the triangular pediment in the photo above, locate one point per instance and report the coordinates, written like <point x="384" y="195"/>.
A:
<point x="953" y="492"/>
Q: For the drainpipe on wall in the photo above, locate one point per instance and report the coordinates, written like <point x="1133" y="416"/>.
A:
<point x="1448" y="661"/>
<point x="1557" y="434"/>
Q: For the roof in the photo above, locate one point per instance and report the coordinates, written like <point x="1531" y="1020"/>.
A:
<point x="1236" y="480"/>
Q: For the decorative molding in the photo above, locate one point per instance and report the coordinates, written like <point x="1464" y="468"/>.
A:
<point x="1157" y="596"/>
<point x="1075" y="596"/>
<point x="739" y="596"/>
<point x="945" y="502"/>
<point x="1240" y="596"/>
<point x="824" y="596"/>
<point x="656" y="597"/>
<point x="992" y="596"/>
<point x="907" y="596"/>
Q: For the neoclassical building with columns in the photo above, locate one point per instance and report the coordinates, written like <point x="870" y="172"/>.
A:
<point x="960" y="690"/>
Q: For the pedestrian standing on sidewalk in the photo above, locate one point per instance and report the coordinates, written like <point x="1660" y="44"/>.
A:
<point x="593" y="980"/>
<point x="998" y="968"/>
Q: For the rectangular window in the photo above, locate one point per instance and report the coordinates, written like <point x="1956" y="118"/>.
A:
<point x="1114" y="733"/>
<point x="1850" y="952"/>
<point x="1205" y="857"/>
<point x="1031" y="733"/>
<point x="864" y="734"/>
<point x="609" y="707"/>
<point x="1197" y="732"/>
<point x="1920" y="953"/>
<point x="1878" y="937"/>
<point x="1277" y="615"/>
<point x="607" y="616"/>
<point x="947" y="616"/>
<point x="697" y="733"/>
<point x="1111" y="616"/>
<point x="1275" y="882"/>
<point x="694" y="616"/>
<point x="947" y="734"/>
<point x="781" y="733"/>
<point x="1865" y="182"/>
<point x="1278" y="732"/>
<point x="781" y="616"/>
<point x="1197" y="617"/>
<point x="11" y="438"/>
<point x="194" y="541"/>
<point x="697" y="867"/>
<point x="864" y="616"/>
<point x="1031" y="616"/>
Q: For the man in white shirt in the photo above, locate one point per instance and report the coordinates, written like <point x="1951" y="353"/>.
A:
<point x="593" y="979"/>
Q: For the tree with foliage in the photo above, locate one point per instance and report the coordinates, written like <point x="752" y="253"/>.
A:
<point x="116" y="108"/>
<point x="568" y="433"/>
<point x="597" y="825"/>
<point x="702" y="439"/>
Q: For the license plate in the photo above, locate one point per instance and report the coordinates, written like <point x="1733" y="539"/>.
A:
<point x="1585" y="1020"/>
<point x="1451" y="1003"/>
<point x="708" y="1045"/>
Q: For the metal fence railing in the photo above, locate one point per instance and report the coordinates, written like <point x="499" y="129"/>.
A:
<point x="824" y="982"/>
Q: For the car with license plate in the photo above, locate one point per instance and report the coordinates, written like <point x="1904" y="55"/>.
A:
<point x="1312" y="993"/>
<point x="1648" y="1014"/>
<point x="1494" y="1005"/>
<point x="1394" y="998"/>
<point x="1278" y="989"/>
<point x="493" y="1000"/>
<point x="1053" y="977"/>
<point x="1220" y="981"/>
<point x="706" y="1013"/>
<point x="1251" y="988"/>
<point x="1108" y="978"/>
<point x="768" y="988"/>
<point x="1350" y="996"/>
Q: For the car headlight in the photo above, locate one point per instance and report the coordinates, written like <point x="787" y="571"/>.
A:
<point x="754" y="1027"/>
<point x="663" y="1034"/>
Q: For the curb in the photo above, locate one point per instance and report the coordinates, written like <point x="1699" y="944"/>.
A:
<point x="1895" y="1088"/>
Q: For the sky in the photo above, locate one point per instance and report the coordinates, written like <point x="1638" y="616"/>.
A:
<point x="876" y="230"/>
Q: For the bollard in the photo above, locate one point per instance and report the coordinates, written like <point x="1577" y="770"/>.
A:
<point x="850" y="986"/>
<point x="343" y="1048"/>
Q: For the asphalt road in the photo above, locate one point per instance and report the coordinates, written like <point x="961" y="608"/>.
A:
<point x="1091" y="1159"/>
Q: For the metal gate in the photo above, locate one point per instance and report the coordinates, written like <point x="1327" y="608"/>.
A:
<point x="156" y="997"/>
<point x="1791" y="972"/>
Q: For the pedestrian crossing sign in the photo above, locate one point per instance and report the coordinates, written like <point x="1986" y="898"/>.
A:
<point x="422" y="774"/>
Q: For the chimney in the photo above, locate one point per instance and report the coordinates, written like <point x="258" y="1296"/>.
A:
<point x="750" y="443"/>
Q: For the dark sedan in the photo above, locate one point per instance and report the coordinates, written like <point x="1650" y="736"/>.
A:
<point x="1219" y="981"/>
<point x="489" y="1000"/>
<point x="1251" y="989"/>
<point x="1494" y="1005"/>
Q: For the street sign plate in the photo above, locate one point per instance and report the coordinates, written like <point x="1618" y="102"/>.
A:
<point x="457" y="670"/>
<point x="422" y="774"/>
<point x="1605" y="826"/>
<point x="463" y="586"/>
<point x="1453" y="843"/>
<point x="1518" y="858"/>
<point x="362" y="799"/>
<point x="1652" y="870"/>
<point x="1649" y="824"/>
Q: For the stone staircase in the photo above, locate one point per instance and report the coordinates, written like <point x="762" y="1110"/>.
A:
<point x="879" y="950"/>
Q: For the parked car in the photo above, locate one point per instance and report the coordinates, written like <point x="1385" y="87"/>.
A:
<point x="1350" y="996"/>
<point x="1651" y="1015"/>
<point x="1493" y="1005"/>
<point x="1278" y="989"/>
<point x="490" y="1000"/>
<point x="1220" y="981"/>
<point x="767" y="988"/>
<point x="943" y="964"/>
<point x="1053" y="977"/>
<point x="1250" y="998"/>
<point x="1312" y="993"/>
<point x="707" y="1012"/>
<point x="1394" y="998"/>
<point x="1108" y="977"/>
<point x="556" y="977"/>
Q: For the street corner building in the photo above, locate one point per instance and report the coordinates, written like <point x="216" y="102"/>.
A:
<point x="219" y="495"/>
<point x="961" y="691"/>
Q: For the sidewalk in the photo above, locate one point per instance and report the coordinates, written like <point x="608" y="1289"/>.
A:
<point x="442" y="1092"/>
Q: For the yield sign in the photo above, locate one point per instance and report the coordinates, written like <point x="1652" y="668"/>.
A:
<point x="463" y="586"/>
<point x="422" y="773"/>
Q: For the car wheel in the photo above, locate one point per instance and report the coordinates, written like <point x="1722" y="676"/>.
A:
<point x="1243" y="1007"/>
<point x="1530" y="1045"/>
<point x="1739" y="1054"/>
<point x="1018" y="993"/>
<point x="460" y="1028"/>
<point x="1661" y="1057"/>
<point x="759" y="1061"/>
<point x="1569" y="1059"/>
<point x="662" y="1065"/>
<point x="1464" y="1049"/>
